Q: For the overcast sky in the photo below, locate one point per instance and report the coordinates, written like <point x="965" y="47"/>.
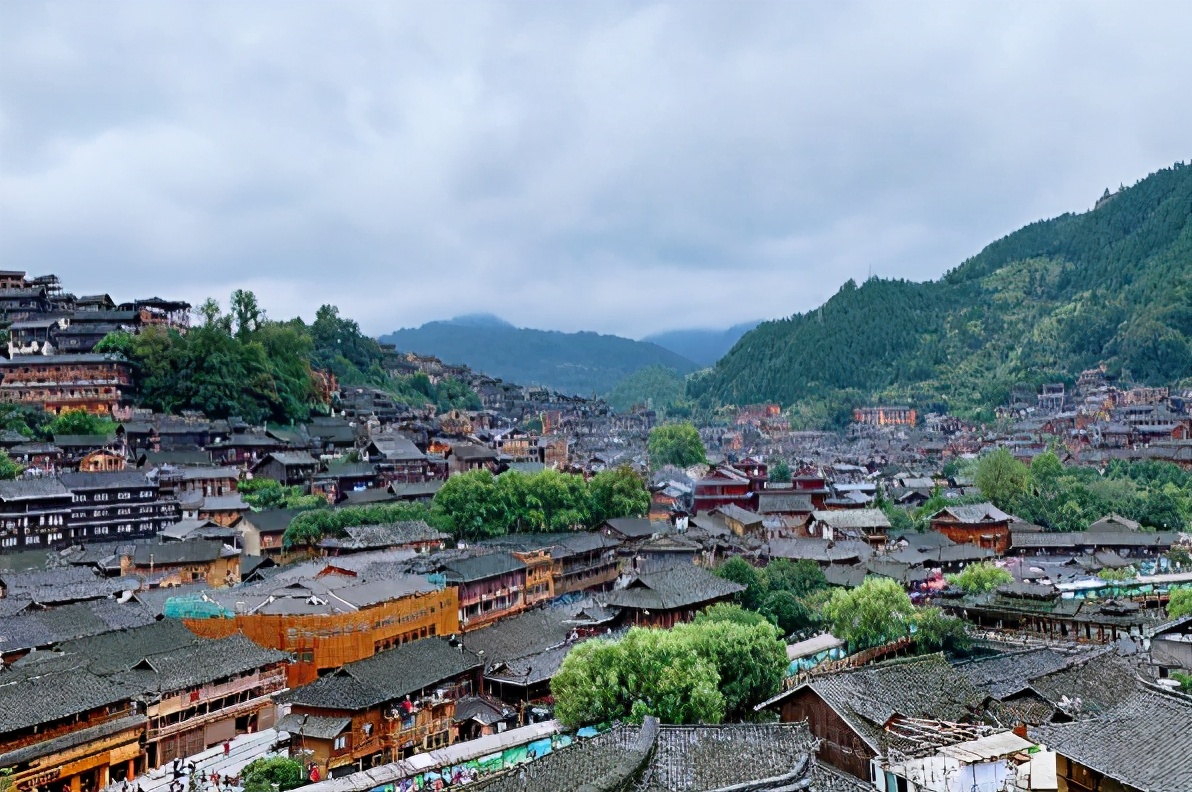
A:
<point x="625" y="168"/>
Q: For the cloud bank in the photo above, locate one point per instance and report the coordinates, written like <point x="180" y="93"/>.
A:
<point x="623" y="168"/>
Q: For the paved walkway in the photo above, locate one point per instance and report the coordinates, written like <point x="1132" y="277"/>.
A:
<point x="244" y="749"/>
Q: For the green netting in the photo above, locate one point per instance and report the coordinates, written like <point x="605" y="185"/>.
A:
<point x="193" y="606"/>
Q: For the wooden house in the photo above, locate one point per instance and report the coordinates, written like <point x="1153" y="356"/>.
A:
<point x="289" y="468"/>
<point x="177" y="563"/>
<point x="670" y="596"/>
<point x="93" y="383"/>
<point x="261" y="532"/>
<point x="849" y="711"/>
<point x="982" y="524"/>
<point x="383" y="708"/>
<point x="490" y="586"/>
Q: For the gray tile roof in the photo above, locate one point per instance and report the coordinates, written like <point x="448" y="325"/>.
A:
<point x="517" y="636"/>
<point x="1142" y="742"/>
<point x="853" y="519"/>
<point x="70" y="740"/>
<point x="320" y="727"/>
<point x="1102" y="681"/>
<point x="653" y="758"/>
<point x="635" y="527"/>
<point x="678" y="587"/>
<point x="821" y="551"/>
<point x="123" y="479"/>
<point x="366" y="537"/>
<point x="975" y="514"/>
<point x="1009" y="674"/>
<point x="29" y="697"/>
<point x="778" y="501"/>
<point x="480" y="567"/>
<point x="189" y="551"/>
<point x="921" y="687"/>
<point x="387" y="676"/>
<point x="30" y="488"/>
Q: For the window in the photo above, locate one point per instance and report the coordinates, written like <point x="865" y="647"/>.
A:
<point x="123" y="495"/>
<point x="341" y="742"/>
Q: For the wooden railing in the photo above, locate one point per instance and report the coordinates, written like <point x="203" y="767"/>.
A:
<point x="864" y="657"/>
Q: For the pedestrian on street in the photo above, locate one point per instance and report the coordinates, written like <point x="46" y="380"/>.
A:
<point x="227" y="747"/>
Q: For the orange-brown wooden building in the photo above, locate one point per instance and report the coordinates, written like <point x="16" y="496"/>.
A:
<point x="91" y="382"/>
<point x="329" y="614"/>
<point x="383" y="708"/>
<point x="981" y="524"/>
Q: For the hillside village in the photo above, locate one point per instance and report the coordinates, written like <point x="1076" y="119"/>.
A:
<point x="182" y="594"/>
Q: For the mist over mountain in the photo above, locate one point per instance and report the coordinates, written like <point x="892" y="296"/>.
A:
<point x="701" y="345"/>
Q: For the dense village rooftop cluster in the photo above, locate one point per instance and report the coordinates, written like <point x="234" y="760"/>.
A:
<point x="148" y="612"/>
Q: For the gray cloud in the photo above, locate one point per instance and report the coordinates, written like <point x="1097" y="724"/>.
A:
<point x="617" y="167"/>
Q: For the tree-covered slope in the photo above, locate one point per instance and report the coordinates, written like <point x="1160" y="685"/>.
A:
<point x="582" y="363"/>
<point x="1112" y="285"/>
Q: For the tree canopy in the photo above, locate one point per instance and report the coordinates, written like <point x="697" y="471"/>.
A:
<point x="980" y="578"/>
<point x="780" y="472"/>
<point x="244" y="364"/>
<point x="677" y="444"/>
<point x="705" y="672"/>
<point x="274" y="772"/>
<point x="1001" y="478"/>
<point x="1180" y="603"/>
<point x="876" y="612"/>
<point x="477" y="504"/>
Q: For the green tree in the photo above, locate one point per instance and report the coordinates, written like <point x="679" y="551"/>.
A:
<point x="750" y="662"/>
<point x="740" y="571"/>
<point x="276" y="772"/>
<point x="790" y="613"/>
<point x="1045" y="474"/>
<point x="694" y="673"/>
<point x="1001" y="478"/>
<point x="935" y="631"/>
<point x="81" y="422"/>
<point x="980" y="578"/>
<point x="617" y="493"/>
<point x="1115" y="575"/>
<point x="648" y="672"/>
<point x="1180" y="603"/>
<point x="876" y="612"/>
<point x="9" y="468"/>
<point x="727" y="612"/>
<point x="676" y="444"/>
<point x="780" y="472"/>
<point x="800" y="578"/>
<point x="246" y="313"/>
<point x="469" y="504"/>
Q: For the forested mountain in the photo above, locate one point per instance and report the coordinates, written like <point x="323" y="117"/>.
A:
<point x="704" y="347"/>
<point x="657" y="387"/>
<point x="580" y="363"/>
<point x="1112" y="285"/>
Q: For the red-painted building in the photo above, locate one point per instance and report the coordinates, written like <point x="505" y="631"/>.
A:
<point x="982" y="524"/>
<point x="722" y="487"/>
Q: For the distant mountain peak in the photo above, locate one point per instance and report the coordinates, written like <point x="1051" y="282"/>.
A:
<point x="477" y="320"/>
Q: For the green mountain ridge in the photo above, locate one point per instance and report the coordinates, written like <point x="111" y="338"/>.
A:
<point x="580" y="363"/>
<point x="1110" y="286"/>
